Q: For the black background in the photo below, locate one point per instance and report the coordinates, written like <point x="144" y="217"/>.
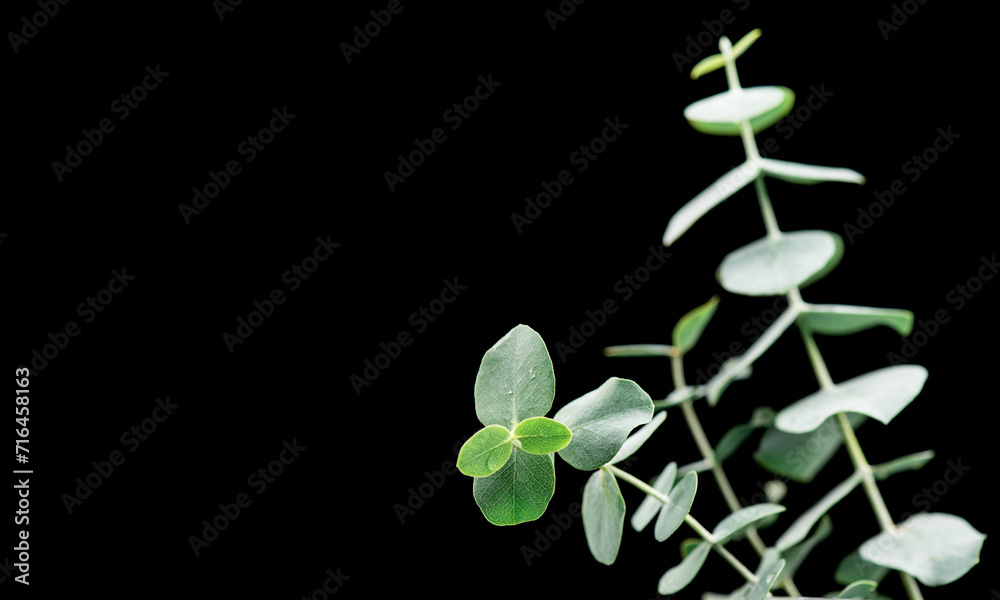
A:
<point x="336" y="506"/>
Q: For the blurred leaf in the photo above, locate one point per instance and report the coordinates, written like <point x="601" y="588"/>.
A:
<point x="743" y="518"/>
<point x="709" y="198"/>
<point x="734" y="438"/>
<point x="722" y="113"/>
<point x="910" y="462"/>
<point x="631" y="350"/>
<point x="767" y="576"/>
<point x="808" y="174"/>
<point x="840" y="319"/>
<point x="716" y="61"/>
<point x="771" y="267"/>
<point x="800" y="456"/>
<point x="854" y="568"/>
<point x="677" y="578"/>
<point x="689" y="328"/>
<point x="603" y="515"/>
<point x="797" y="554"/>
<point x="601" y="420"/>
<point x="673" y="514"/>
<point x="936" y="548"/>
<point x="804" y="524"/>
<point x="650" y="506"/>
<point x="859" y="589"/>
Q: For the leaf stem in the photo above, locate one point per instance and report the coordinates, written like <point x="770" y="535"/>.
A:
<point x="815" y="358"/>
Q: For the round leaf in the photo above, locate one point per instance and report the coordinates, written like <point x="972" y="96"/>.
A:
<point x="601" y="420"/>
<point x="677" y="578"/>
<point x="773" y="266"/>
<point x="603" y="515"/>
<point x="542" y="435"/>
<point x="485" y="452"/>
<point x="936" y="548"/>
<point x="689" y="328"/>
<point x="722" y="113"/>
<point x="519" y="492"/>
<point x="515" y="380"/>
<point x="673" y="514"/>
<point x="880" y="394"/>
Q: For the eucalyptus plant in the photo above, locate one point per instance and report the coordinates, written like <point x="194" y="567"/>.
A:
<point x="512" y="457"/>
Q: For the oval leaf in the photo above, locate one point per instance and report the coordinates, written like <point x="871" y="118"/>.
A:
<point x="637" y="439"/>
<point x="794" y="172"/>
<point x="840" y="319"/>
<point x="542" y="435"/>
<point x="677" y="578"/>
<point x="515" y="380"/>
<point x="744" y="517"/>
<point x="771" y="267"/>
<point x="801" y="527"/>
<point x="519" y="492"/>
<point x="800" y="456"/>
<point x="689" y="328"/>
<point x="673" y="514"/>
<point x="650" y="505"/>
<point x="640" y="350"/>
<point x="722" y="113"/>
<point x="880" y="394"/>
<point x="485" y="452"/>
<point x="603" y="515"/>
<point x="601" y="420"/>
<point x="709" y="198"/>
<point x="936" y="548"/>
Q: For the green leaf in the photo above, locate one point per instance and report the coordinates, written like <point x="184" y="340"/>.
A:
<point x="839" y="319"/>
<point x="603" y="515"/>
<point x="689" y="328"/>
<point x="688" y="544"/>
<point x="773" y="266"/>
<point x="854" y="568"/>
<point x="515" y="380"/>
<point x="650" y="506"/>
<point x="936" y="548"/>
<point x="734" y="438"/>
<point x="542" y="435"/>
<point x="794" y="172"/>
<point x="677" y="578"/>
<point x="485" y="452"/>
<point x="717" y="61"/>
<point x="800" y="456"/>
<point x="743" y="518"/>
<point x="631" y="350"/>
<point x="722" y="113"/>
<point x="736" y="594"/>
<point x="859" y="589"/>
<point x="519" y="492"/>
<point x="910" y="462"/>
<point x="637" y="439"/>
<point x="601" y="420"/>
<point x="796" y="555"/>
<point x="672" y="515"/>
<point x="767" y="576"/>
<point x="880" y="394"/>
<point x="695" y="208"/>
<point x="801" y="527"/>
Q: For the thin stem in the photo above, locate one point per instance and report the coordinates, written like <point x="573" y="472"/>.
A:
<point x="726" y="47"/>
<point x="745" y="572"/>
<point x="766" y="210"/>
<point x="818" y="364"/>
<point x="910" y="584"/>
<point x="861" y="466"/>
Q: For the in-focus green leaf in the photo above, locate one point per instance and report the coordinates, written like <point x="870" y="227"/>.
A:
<point x="859" y="589"/>
<point x="520" y="491"/>
<point x="601" y="420"/>
<point x="637" y="439"/>
<point x="717" y="61"/>
<point x="542" y="435"/>
<point x="650" y="506"/>
<point x="743" y="518"/>
<point x="677" y="578"/>
<point x="515" y="380"/>
<point x="773" y="266"/>
<point x="910" y="462"/>
<point x="722" y="113"/>
<point x="631" y="350"/>
<point x="840" y="319"/>
<point x="936" y="548"/>
<point x="485" y="452"/>
<point x="603" y="515"/>
<point x="794" y="172"/>
<point x="734" y="438"/>
<point x="801" y="527"/>
<point x="854" y="568"/>
<point x="672" y="515"/>
<point x="880" y="394"/>
<point x="800" y="456"/>
<point x="796" y="555"/>
<point x="689" y="328"/>
<point x="723" y="187"/>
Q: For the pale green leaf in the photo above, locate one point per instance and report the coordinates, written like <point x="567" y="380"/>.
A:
<point x="794" y="172"/>
<point x="840" y="319"/>
<point x="880" y="394"/>
<point x="743" y="518"/>
<point x="859" y="589"/>
<point x="673" y="513"/>
<point x="910" y="462"/>
<point x="797" y="554"/>
<point x="800" y="456"/>
<point x="689" y="328"/>
<point x="695" y="208"/>
<point x="717" y="61"/>
<point x="936" y="548"/>
<point x="650" y="506"/>
<point x="773" y="266"/>
<point x="767" y="576"/>
<point x="734" y="438"/>
<point x="542" y="435"/>
<point x="603" y="515"/>
<point x="801" y="527"/>
<point x="485" y="452"/>
<point x="515" y="380"/>
<point x="734" y="595"/>
<point x="631" y="350"/>
<point x="601" y="420"/>
<point x="723" y="113"/>
<point x="519" y="492"/>
<point x="854" y="568"/>
<point x="637" y="439"/>
<point x="677" y="578"/>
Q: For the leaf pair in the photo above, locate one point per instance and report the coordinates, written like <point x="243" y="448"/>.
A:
<point x="488" y="450"/>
